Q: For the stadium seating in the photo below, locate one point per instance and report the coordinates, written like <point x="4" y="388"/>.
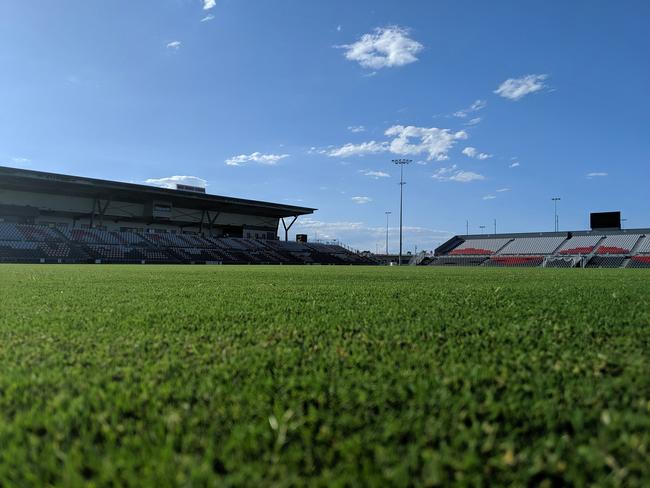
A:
<point x="618" y="244"/>
<point x="479" y="247"/>
<point x="39" y="243"/>
<point x="520" y="261"/>
<point x="532" y="245"/>
<point x="578" y="245"/>
<point x="26" y="232"/>
<point x="51" y="244"/>
<point x="590" y="250"/>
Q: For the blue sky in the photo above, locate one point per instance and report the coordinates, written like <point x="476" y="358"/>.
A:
<point x="501" y="105"/>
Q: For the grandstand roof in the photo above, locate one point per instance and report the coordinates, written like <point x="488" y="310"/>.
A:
<point x="58" y="184"/>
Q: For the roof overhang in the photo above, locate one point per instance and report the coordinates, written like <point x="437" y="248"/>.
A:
<point x="58" y="184"/>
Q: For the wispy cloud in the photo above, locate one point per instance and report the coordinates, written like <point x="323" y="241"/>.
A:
<point x="375" y="175"/>
<point x="21" y="161"/>
<point x="356" y="128"/>
<point x="361" y="200"/>
<point x="472" y="152"/>
<point x="501" y="190"/>
<point x="385" y="48"/>
<point x="517" y="88"/>
<point x="489" y="197"/>
<point x="453" y="173"/>
<point x="596" y="175"/>
<point x="207" y="18"/>
<point x="474" y="121"/>
<point x="515" y="164"/>
<point x="474" y="107"/>
<point x="175" y="45"/>
<point x="350" y="149"/>
<point x="208" y="4"/>
<point x="172" y="181"/>
<point x="256" y="157"/>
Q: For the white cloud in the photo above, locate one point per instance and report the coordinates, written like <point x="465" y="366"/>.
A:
<point x="386" y="47"/>
<point x="338" y="28"/>
<point x="366" y="237"/>
<point x="501" y="190"/>
<point x="356" y="128"/>
<point x="474" y="121"/>
<point x="471" y="152"/>
<point x="21" y="161"/>
<point x="374" y="174"/>
<point x="174" y="45"/>
<point x="208" y="4"/>
<point x="596" y="175"/>
<point x="349" y="149"/>
<point x="256" y="157"/>
<point x="489" y="197"/>
<point x="207" y="18"/>
<point x="515" y="164"/>
<point x="452" y="173"/>
<point x="361" y="200"/>
<point x="431" y="142"/>
<point x="475" y="107"/>
<point x="466" y="177"/>
<point x="434" y="142"/>
<point x="517" y="88"/>
<point x="172" y="181"/>
<point x="478" y="105"/>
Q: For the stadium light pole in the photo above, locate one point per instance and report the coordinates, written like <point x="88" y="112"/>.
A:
<point x="495" y="226"/>
<point x="555" y="200"/>
<point x="387" y="214"/>
<point x="467" y="227"/>
<point x="482" y="227"/>
<point x="401" y="163"/>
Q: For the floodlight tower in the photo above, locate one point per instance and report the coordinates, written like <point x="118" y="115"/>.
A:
<point x="555" y="200"/>
<point x="401" y="163"/>
<point x="387" y="214"/>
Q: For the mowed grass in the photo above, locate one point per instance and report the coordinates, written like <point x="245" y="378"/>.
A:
<point x="323" y="376"/>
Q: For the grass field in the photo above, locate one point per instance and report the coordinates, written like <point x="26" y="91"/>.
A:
<point x="157" y="376"/>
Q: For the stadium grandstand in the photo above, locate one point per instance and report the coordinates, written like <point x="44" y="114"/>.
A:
<point x="54" y="218"/>
<point x="597" y="248"/>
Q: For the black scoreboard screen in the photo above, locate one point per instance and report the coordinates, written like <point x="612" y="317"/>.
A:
<point x="606" y="220"/>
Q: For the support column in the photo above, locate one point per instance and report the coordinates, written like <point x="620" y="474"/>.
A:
<point x="102" y="210"/>
<point x="286" y="228"/>
<point x="212" y="220"/>
<point x="203" y="212"/>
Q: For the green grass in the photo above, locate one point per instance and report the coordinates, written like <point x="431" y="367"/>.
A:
<point x="256" y="376"/>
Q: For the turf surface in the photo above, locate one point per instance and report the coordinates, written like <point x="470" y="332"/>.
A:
<point x="256" y="376"/>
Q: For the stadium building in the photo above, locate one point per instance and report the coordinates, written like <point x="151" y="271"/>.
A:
<point x="47" y="217"/>
<point x="606" y="245"/>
